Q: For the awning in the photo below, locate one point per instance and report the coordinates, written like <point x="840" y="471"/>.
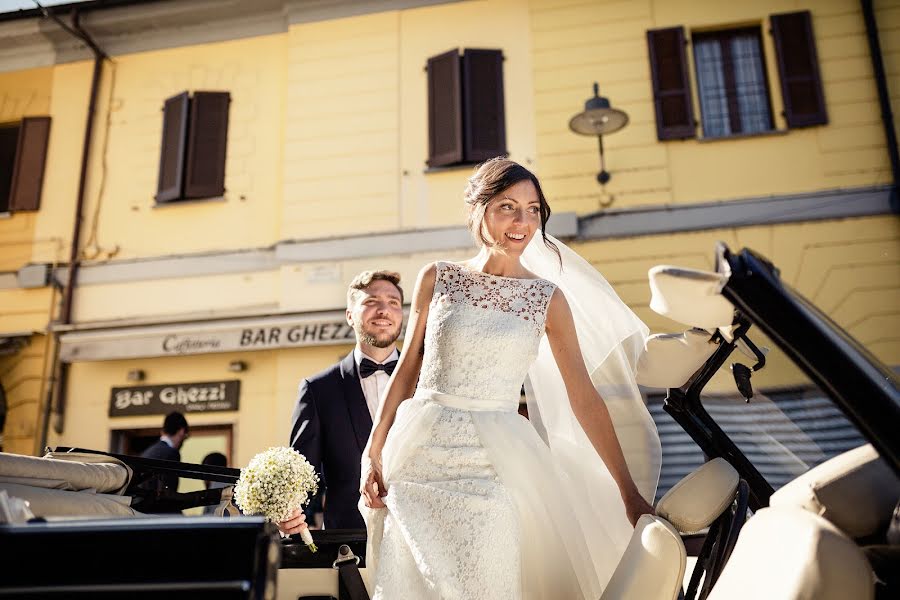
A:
<point x="227" y="335"/>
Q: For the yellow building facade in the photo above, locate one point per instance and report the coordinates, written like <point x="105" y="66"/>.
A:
<point x="326" y="173"/>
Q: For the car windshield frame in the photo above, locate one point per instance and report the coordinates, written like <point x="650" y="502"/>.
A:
<point x="828" y="355"/>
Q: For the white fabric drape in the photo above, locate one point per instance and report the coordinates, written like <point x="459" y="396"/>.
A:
<point x="611" y="338"/>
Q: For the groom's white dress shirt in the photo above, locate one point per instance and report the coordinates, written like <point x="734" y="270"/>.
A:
<point x="374" y="385"/>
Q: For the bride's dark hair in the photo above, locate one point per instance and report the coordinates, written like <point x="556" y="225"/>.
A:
<point x="492" y="177"/>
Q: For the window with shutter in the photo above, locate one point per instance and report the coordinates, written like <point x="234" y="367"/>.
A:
<point x="798" y="69"/>
<point x="671" y="85"/>
<point x="731" y="82"/>
<point x="444" y="110"/>
<point x="171" y="160"/>
<point x="194" y="146"/>
<point x="485" y="129"/>
<point x="466" y="119"/>
<point x="207" y="143"/>
<point x="28" y="171"/>
<point x="9" y="138"/>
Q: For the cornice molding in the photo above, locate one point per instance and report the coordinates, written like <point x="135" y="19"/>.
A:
<point x="38" y="42"/>
<point x="660" y="220"/>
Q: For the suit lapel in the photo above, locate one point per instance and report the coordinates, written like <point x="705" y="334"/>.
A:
<point x="356" y="401"/>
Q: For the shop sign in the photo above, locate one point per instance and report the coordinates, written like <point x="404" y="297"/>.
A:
<point x="237" y="335"/>
<point x="210" y="396"/>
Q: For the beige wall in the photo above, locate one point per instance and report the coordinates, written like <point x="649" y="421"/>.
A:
<point x="23" y="376"/>
<point x="26" y="310"/>
<point x="887" y="15"/>
<point x="357" y="122"/>
<point x="24" y="93"/>
<point x="125" y="161"/>
<point x="577" y="44"/>
<point x="850" y="269"/>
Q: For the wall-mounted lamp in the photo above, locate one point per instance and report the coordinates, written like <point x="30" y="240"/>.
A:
<point x="136" y="375"/>
<point x="237" y="366"/>
<point x="599" y="119"/>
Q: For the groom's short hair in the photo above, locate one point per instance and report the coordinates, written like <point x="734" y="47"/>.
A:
<point x="365" y="279"/>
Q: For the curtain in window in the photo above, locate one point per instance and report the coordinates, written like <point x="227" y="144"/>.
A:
<point x="750" y="83"/>
<point x="711" y="86"/>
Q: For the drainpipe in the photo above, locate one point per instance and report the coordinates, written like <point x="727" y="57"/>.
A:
<point x="884" y="99"/>
<point x="56" y="403"/>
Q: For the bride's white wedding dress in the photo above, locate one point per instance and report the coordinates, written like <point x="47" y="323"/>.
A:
<point x="477" y="506"/>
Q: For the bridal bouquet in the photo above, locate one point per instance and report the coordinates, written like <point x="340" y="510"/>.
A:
<point x="274" y="484"/>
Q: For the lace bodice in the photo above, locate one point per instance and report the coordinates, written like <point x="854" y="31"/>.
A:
<point x="482" y="333"/>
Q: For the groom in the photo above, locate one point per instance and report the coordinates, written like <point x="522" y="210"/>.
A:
<point x="333" y="416"/>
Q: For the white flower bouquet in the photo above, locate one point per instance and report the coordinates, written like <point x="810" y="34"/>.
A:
<point x="274" y="484"/>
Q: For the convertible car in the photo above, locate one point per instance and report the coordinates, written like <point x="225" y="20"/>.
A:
<point x="781" y="477"/>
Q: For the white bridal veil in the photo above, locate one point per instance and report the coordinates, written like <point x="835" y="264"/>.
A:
<point x="612" y="339"/>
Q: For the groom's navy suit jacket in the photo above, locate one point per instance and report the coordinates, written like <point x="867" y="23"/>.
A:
<point x="330" y="427"/>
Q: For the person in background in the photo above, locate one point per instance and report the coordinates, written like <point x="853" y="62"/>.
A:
<point x="215" y="459"/>
<point x="174" y="431"/>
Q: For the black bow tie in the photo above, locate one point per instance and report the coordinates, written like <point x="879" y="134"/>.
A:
<point x="367" y="367"/>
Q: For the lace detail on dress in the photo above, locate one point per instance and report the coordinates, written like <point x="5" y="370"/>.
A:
<point x="525" y="298"/>
<point x="452" y="531"/>
<point x="476" y="320"/>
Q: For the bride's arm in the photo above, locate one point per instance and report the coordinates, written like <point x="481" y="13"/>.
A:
<point x="588" y="406"/>
<point x="402" y="385"/>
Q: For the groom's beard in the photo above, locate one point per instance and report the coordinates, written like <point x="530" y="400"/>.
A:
<point x="378" y="340"/>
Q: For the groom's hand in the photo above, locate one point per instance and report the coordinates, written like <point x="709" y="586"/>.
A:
<point x="373" y="489"/>
<point x="295" y="523"/>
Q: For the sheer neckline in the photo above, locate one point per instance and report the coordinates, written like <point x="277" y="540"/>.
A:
<point x="462" y="267"/>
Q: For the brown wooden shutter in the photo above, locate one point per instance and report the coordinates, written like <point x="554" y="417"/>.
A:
<point x="671" y="84"/>
<point x="28" y="171"/>
<point x="9" y="139"/>
<point x="207" y="145"/>
<point x="483" y="115"/>
<point x="171" y="157"/>
<point x="798" y="69"/>
<point x="445" y="144"/>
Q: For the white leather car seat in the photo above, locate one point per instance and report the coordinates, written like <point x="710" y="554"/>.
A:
<point x="654" y="561"/>
<point x="690" y="296"/>
<point x="669" y="359"/>
<point x="856" y="491"/>
<point x="788" y="553"/>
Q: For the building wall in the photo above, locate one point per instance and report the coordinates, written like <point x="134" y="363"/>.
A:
<point x="887" y="16"/>
<point x="39" y="236"/>
<point x="357" y="125"/>
<point x="25" y="93"/>
<point x="24" y="376"/>
<point x="848" y="268"/>
<point x="125" y="161"/>
<point x="268" y="392"/>
<point x="575" y="44"/>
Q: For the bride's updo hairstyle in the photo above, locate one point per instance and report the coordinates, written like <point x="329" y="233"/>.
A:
<point x="492" y="177"/>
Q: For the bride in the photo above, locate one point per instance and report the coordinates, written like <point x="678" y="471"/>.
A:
<point x="463" y="497"/>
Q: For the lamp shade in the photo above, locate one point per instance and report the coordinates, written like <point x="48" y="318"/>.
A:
<point x="598" y="117"/>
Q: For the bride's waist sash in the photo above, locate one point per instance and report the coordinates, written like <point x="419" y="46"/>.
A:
<point x="466" y="403"/>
